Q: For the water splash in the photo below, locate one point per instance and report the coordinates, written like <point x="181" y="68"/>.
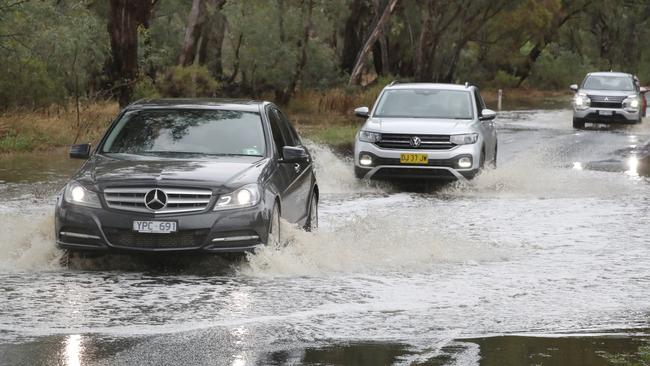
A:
<point x="27" y="242"/>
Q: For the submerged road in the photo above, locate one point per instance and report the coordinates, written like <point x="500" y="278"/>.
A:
<point x="534" y="260"/>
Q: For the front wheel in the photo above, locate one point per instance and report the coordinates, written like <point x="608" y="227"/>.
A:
<point x="273" y="238"/>
<point x="578" y="123"/>
<point x="312" y="220"/>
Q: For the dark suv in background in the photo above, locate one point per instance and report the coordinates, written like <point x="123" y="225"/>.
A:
<point x="608" y="97"/>
<point x="189" y="175"/>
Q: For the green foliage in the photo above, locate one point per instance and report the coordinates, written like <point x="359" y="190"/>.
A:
<point x="557" y="69"/>
<point x="191" y="81"/>
<point x="145" y="88"/>
<point x="504" y="80"/>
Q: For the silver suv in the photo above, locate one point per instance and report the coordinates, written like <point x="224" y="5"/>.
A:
<point x="425" y="131"/>
<point x="608" y="97"/>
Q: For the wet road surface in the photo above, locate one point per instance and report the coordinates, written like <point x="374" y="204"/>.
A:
<point x="543" y="260"/>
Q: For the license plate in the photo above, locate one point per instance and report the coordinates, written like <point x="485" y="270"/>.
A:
<point x="414" y="159"/>
<point x="606" y="113"/>
<point x="154" y="227"/>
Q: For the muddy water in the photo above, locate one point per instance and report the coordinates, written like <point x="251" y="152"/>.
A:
<point x="543" y="260"/>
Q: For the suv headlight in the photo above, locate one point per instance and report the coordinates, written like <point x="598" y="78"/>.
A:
<point x="581" y="101"/>
<point x="77" y="194"/>
<point x="632" y="103"/>
<point x="246" y="196"/>
<point x="367" y="136"/>
<point x="465" y="139"/>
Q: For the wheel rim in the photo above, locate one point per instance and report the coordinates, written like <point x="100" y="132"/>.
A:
<point x="313" y="214"/>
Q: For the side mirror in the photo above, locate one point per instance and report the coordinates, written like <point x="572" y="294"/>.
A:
<point x="362" y="112"/>
<point x="574" y="87"/>
<point x="294" y="154"/>
<point x="487" y="115"/>
<point x="80" y="151"/>
<point x="643" y="90"/>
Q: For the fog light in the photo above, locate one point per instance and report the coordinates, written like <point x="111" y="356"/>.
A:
<point x="365" y="160"/>
<point x="465" y="162"/>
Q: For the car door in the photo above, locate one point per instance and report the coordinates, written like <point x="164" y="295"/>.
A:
<point x="300" y="174"/>
<point x="487" y="127"/>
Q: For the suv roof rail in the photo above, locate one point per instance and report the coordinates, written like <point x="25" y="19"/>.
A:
<point x="393" y="82"/>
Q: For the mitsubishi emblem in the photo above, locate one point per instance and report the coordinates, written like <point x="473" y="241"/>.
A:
<point x="155" y="199"/>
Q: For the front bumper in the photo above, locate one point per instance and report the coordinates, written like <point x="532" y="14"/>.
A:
<point x="607" y="115"/>
<point x="441" y="165"/>
<point x="101" y="229"/>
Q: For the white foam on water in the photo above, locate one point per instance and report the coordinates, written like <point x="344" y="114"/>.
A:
<point x="27" y="242"/>
<point x="381" y="242"/>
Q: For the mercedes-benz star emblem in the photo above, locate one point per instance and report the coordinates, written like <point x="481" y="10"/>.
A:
<point x="415" y="141"/>
<point x="155" y="199"/>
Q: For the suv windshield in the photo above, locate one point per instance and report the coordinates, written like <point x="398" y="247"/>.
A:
<point x="208" y="132"/>
<point x="623" y="83"/>
<point x="425" y="103"/>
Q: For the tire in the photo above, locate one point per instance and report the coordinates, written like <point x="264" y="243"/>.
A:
<point x="496" y="150"/>
<point x="360" y="173"/>
<point x="274" y="238"/>
<point x="481" y="160"/>
<point x="578" y="123"/>
<point x="312" y="220"/>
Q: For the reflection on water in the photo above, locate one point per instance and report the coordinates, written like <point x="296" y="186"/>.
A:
<point x="73" y="350"/>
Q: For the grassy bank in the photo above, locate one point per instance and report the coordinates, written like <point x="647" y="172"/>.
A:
<point x="323" y="116"/>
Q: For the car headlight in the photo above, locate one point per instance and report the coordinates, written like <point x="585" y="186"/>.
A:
<point x="632" y="102"/>
<point x="246" y="196"/>
<point x="465" y="139"/>
<point x="367" y="136"/>
<point x="581" y="101"/>
<point x="77" y="194"/>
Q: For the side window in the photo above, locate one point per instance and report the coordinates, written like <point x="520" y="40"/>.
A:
<point x="276" y="130"/>
<point x="295" y="139"/>
<point x="480" y="104"/>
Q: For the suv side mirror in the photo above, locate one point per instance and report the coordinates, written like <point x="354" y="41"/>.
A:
<point x="362" y="112"/>
<point x="643" y="90"/>
<point x="574" y="87"/>
<point x="294" y="154"/>
<point x="487" y="115"/>
<point x="80" y="151"/>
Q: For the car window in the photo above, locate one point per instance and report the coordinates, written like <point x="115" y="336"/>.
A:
<point x="281" y="136"/>
<point x="624" y="83"/>
<point x="295" y="138"/>
<point x="186" y="131"/>
<point x="480" y="104"/>
<point x="425" y="103"/>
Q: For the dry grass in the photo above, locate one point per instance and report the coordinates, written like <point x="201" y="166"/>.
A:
<point x="53" y="127"/>
<point x="523" y="98"/>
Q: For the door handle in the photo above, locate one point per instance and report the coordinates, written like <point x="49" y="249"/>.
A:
<point x="296" y="167"/>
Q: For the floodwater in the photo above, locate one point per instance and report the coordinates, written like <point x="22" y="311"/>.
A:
<point x="541" y="261"/>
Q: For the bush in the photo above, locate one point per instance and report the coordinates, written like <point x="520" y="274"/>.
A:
<point x="190" y="81"/>
<point x="145" y="88"/>
<point x="503" y="80"/>
<point x="557" y="69"/>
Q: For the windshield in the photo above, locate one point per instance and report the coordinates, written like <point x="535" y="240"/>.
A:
<point x="182" y="131"/>
<point x="623" y="83"/>
<point x="425" y="103"/>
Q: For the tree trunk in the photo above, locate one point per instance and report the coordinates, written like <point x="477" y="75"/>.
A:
<point x="286" y="95"/>
<point x="195" y="21"/>
<point x="352" y="35"/>
<point x="125" y="16"/>
<point x="355" y="77"/>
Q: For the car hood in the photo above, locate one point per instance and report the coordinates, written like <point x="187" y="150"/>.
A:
<point x="608" y="93"/>
<point x="419" y="126"/>
<point x="227" y="172"/>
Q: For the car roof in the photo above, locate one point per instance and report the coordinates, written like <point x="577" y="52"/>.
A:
<point x="245" y="105"/>
<point x="430" y="86"/>
<point x="609" y="73"/>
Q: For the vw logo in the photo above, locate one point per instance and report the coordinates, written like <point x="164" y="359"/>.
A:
<point x="415" y="141"/>
<point x="155" y="199"/>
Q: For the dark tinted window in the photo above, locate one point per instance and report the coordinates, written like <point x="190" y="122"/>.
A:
<point x="212" y="132"/>
<point x="295" y="139"/>
<point x="280" y="134"/>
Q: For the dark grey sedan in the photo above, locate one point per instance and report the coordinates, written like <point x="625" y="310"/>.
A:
<point x="189" y="175"/>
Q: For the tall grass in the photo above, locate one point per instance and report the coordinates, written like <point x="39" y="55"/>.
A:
<point x="22" y="131"/>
